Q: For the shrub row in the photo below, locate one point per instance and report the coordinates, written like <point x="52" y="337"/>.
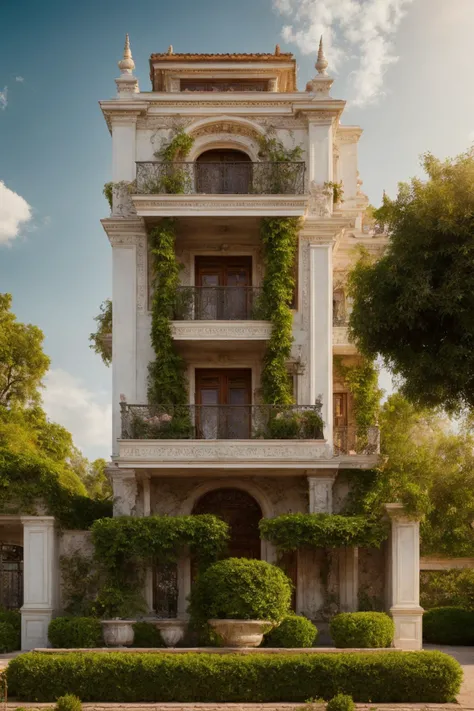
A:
<point x="362" y="630"/>
<point x="10" y="631"/>
<point x="448" y="625"/>
<point x="293" y="631"/>
<point x="389" y="677"/>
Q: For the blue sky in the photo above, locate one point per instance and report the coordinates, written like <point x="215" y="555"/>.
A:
<point x="58" y="58"/>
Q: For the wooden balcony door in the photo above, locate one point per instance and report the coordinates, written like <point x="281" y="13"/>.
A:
<point x="223" y="398"/>
<point x="223" y="172"/>
<point x="223" y="292"/>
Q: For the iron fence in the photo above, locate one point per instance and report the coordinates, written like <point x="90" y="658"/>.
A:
<point x="219" y="303"/>
<point x="351" y="440"/>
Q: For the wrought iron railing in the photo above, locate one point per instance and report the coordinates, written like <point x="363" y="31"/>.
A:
<point x="219" y="303"/>
<point x="285" y="178"/>
<point x="221" y="421"/>
<point x="352" y="440"/>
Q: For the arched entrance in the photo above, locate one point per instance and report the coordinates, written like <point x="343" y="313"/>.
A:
<point x="240" y="510"/>
<point x="223" y="171"/>
<point x="11" y="576"/>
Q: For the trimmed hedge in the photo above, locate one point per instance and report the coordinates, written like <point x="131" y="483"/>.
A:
<point x="69" y="702"/>
<point x="147" y="635"/>
<point x="385" y="677"/>
<point x="10" y="638"/>
<point x="448" y="625"/>
<point x="74" y="632"/>
<point x="241" y="589"/>
<point x="341" y="702"/>
<point x="362" y="630"/>
<point x="293" y="631"/>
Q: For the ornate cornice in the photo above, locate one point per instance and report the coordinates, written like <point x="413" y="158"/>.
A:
<point x="228" y="331"/>
<point x="217" y="205"/>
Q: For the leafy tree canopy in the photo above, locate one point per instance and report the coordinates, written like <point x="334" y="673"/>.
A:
<point x="22" y="361"/>
<point x="415" y="306"/>
<point x="430" y="468"/>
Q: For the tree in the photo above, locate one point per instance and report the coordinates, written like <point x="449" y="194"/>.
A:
<point x="430" y="469"/>
<point x="22" y="361"/>
<point x="415" y="306"/>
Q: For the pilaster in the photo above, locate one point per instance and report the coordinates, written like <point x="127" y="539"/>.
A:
<point x="320" y="332"/>
<point x="320" y="491"/>
<point x="320" y="139"/>
<point x="404" y="578"/>
<point x="123" y="145"/>
<point x="40" y="580"/>
<point x="124" y="486"/>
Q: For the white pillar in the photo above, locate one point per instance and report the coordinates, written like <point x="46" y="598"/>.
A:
<point x="124" y="486"/>
<point x="320" y="491"/>
<point x="124" y="329"/>
<point x="349" y="579"/>
<point x="184" y="585"/>
<point x="124" y="147"/>
<point x="404" y="578"/>
<point x="40" y="580"/>
<point x="320" y="137"/>
<point x="320" y="332"/>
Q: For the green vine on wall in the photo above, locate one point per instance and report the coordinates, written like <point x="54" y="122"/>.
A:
<point x="100" y="342"/>
<point x="363" y="384"/>
<point x="175" y="179"/>
<point x="291" y="532"/>
<point x="166" y="374"/>
<point x="279" y="237"/>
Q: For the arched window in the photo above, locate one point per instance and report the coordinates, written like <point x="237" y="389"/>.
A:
<point x="223" y="171"/>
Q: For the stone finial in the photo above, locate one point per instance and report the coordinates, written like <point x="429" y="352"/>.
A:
<point x="126" y="64"/>
<point x="321" y="63"/>
<point x="170" y="49"/>
<point x="277" y="50"/>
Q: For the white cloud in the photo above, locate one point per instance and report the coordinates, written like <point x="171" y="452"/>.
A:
<point x="68" y="402"/>
<point x="14" y="211"/>
<point x="20" y="79"/>
<point x="4" y="98"/>
<point x="363" y="28"/>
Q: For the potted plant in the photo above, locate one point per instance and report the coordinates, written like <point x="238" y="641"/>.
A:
<point x="172" y="630"/>
<point x="241" y="600"/>
<point x="117" y="606"/>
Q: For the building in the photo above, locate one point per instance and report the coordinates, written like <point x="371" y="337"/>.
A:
<point x="231" y="462"/>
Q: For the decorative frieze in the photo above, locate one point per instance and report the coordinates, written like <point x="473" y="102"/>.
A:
<point x="231" y="330"/>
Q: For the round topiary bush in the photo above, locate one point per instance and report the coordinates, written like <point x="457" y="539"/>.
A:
<point x="75" y="632"/>
<point x="362" y="629"/>
<point x="146" y="635"/>
<point x="10" y="638"/>
<point x="68" y="702"/>
<point x="340" y="702"/>
<point x="293" y="631"/>
<point x="448" y="625"/>
<point x="241" y="589"/>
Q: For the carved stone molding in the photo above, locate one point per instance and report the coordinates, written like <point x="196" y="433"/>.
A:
<point x="231" y="330"/>
<point x="340" y="336"/>
<point x="227" y="127"/>
<point x="166" y="122"/>
<point x="260" y="205"/>
<point x="247" y="453"/>
<point x="320" y="200"/>
<point x="320" y="492"/>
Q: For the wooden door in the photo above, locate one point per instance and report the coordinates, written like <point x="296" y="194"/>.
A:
<point x="223" y="292"/>
<point x="223" y="398"/>
<point x="223" y="171"/>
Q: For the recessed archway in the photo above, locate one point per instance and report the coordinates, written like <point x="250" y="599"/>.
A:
<point x="241" y="512"/>
<point x="223" y="171"/>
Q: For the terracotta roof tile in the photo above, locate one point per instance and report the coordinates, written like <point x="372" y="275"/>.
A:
<point x="258" y="57"/>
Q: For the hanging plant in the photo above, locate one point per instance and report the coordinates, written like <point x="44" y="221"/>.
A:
<point x="280" y="242"/>
<point x="166" y="374"/>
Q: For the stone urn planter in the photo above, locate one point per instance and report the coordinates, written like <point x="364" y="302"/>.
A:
<point x="171" y="630"/>
<point x="118" y="633"/>
<point x="241" y="633"/>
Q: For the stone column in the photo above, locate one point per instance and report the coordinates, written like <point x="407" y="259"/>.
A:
<point x="320" y="491"/>
<point x="124" y="328"/>
<point x="320" y="138"/>
<point x="124" y="486"/>
<point x="40" y="580"/>
<point x="320" y="332"/>
<point x="404" y="578"/>
<point x="348" y="579"/>
<point x="124" y="146"/>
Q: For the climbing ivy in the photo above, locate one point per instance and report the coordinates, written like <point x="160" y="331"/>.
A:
<point x="175" y="178"/>
<point x="279" y="237"/>
<point x="166" y="374"/>
<point x="98" y="340"/>
<point x="293" y="531"/>
<point x="363" y="384"/>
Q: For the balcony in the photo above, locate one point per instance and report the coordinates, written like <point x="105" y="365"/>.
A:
<point x="223" y="436"/>
<point x="235" y="422"/>
<point x="220" y="189"/>
<point x="220" y="313"/>
<point x="349" y="441"/>
<point x="225" y="178"/>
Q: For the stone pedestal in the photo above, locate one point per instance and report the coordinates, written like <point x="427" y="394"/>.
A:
<point x="40" y="580"/>
<point x="404" y="578"/>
